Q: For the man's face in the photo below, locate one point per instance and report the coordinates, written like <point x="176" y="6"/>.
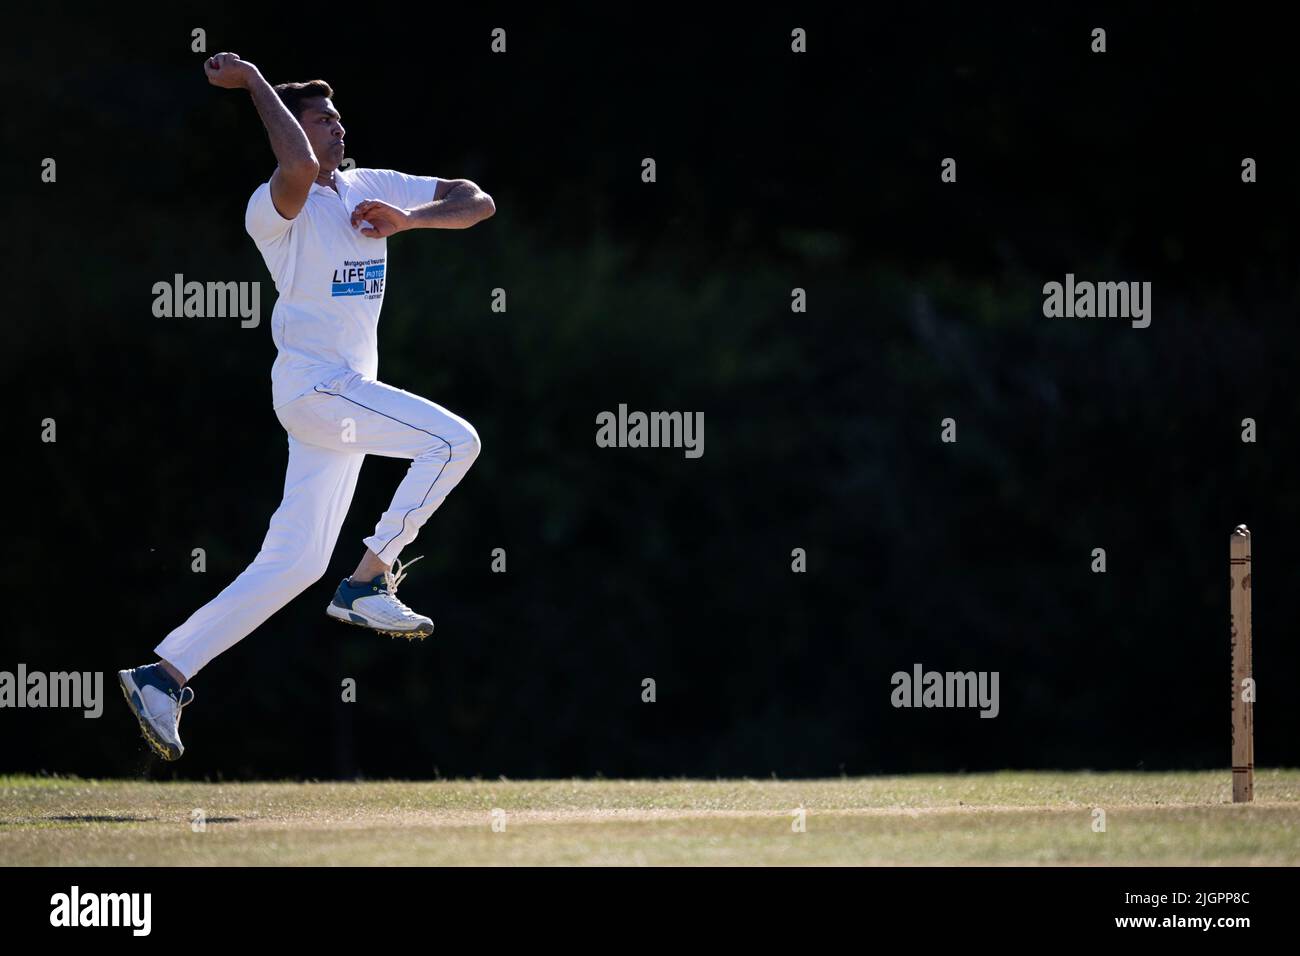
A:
<point x="320" y="121"/>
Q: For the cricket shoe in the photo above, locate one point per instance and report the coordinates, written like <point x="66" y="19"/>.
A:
<point x="374" y="605"/>
<point x="157" y="702"/>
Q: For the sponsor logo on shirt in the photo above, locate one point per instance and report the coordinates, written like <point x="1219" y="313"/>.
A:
<point x="359" y="277"/>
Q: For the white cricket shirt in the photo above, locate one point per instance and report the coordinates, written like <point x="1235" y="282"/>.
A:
<point x="329" y="278"/>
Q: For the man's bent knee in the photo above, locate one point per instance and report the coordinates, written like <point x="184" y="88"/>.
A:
<point x="461" y="445"/>
<point x="470" y="444"/>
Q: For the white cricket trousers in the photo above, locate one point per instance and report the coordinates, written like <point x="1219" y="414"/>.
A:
<point x="331" y="430"/>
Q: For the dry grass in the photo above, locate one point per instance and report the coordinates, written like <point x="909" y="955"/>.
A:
<point x="984" y="819"/>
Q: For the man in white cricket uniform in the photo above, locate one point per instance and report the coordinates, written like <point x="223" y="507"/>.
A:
<point x="323" y="233"/>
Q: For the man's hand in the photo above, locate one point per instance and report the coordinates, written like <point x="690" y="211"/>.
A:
<point x="384" y="219"/>
<point x="229" y="72"/>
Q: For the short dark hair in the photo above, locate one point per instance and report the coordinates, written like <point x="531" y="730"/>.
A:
<point x="293" y="94"/>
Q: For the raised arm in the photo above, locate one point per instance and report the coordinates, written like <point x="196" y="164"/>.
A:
<point x="298" y="166"/>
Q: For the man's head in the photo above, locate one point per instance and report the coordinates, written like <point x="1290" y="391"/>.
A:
<point x="311" y="105"/>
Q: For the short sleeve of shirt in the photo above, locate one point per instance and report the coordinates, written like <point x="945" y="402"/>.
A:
<point x="402" y="189"/>
<point x="262" y="220"/>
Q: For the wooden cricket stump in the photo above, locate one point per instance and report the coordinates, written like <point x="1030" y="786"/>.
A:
<point x="1243" y="689"/>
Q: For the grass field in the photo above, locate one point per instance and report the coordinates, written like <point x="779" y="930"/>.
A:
<point x="983" y="819"/>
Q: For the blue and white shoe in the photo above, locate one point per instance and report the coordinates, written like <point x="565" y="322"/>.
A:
<point x="374" y="605"/>
<point x="156" y="701"/>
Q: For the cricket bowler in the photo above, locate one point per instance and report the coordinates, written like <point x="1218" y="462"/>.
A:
<point x="323" y="232"/>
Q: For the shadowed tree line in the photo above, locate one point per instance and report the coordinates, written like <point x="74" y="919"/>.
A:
<point x="822" y="429"/>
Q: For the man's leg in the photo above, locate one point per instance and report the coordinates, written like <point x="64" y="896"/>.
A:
<point x="369" y="566"/>
<point x="381" y="420"/>
<point x="318" y="488"/>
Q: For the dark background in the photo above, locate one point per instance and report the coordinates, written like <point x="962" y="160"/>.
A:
<point x="821" y="429"/>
